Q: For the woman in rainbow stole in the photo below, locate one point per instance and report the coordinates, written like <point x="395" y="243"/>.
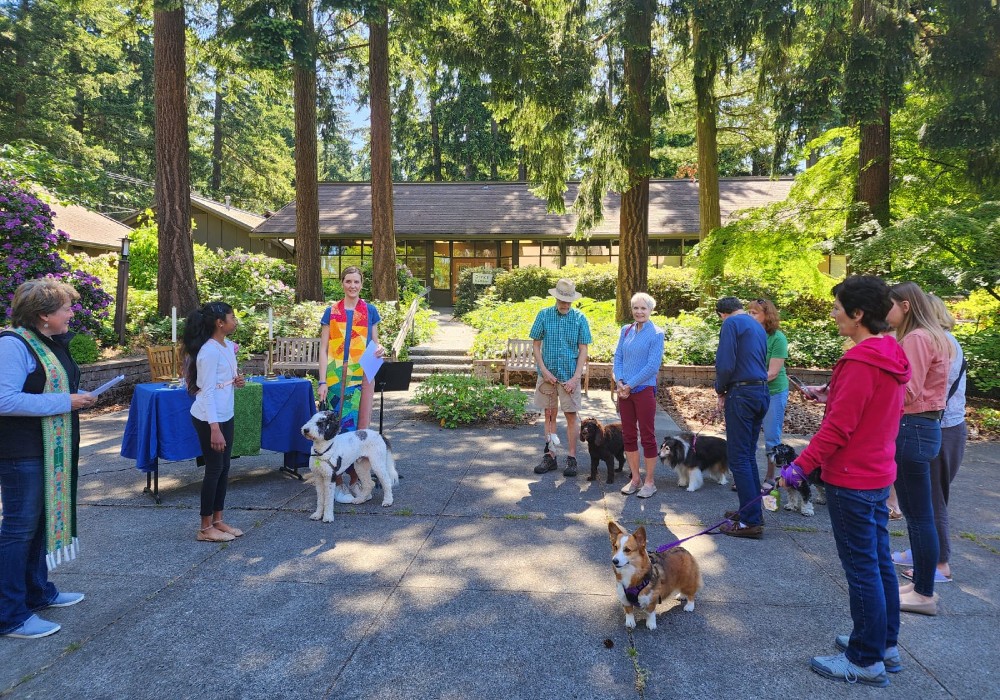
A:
<point x="39" y="432"/>
<point x="347" y="327"/>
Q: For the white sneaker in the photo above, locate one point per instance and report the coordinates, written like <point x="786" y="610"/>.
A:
<point x="343" y="495"/>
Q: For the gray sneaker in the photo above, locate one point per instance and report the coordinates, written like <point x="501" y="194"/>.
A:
<point x="548" y="464"/>
<point x="893" y="662"/>
<point x="839" y="668"/>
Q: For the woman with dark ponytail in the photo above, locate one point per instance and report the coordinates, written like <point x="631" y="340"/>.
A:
<point x="212" y="374"/>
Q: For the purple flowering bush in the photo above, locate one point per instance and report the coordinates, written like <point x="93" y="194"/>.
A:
<point x="29" y="249"/>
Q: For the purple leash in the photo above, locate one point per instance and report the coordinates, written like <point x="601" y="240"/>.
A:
<point x="671" y="545"/>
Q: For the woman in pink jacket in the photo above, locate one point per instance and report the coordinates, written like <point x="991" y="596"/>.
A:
<point x="929" y="352"/>
<point x="854" y="446"/>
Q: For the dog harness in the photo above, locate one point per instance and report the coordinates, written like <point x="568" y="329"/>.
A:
<point x="632" y="592"/>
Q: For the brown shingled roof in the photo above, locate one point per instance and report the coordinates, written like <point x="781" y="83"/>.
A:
<point x="89" y="228"/>
<point x="510" y="209"/>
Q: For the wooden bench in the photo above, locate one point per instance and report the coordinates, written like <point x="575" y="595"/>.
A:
<point x="520" y="357"/>
<point x="294" y="354"/>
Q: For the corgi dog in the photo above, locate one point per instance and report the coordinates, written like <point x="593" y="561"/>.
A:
<point x="645" y="580"/>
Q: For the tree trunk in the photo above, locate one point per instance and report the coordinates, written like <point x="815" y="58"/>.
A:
<point x="873" y="171"/>
<point x="308" y="281"/>
<point x="175" y="280"/>
<point x="633" y="232"/>
<point x="216" y="184"/>
<point x="709" y="214"/>
<point x="21" y="43"/>
<point x="435" y="131"/>
<point x="522" y="164"/>
<point x="495" y="134"/>
<point x="384" y="286"/>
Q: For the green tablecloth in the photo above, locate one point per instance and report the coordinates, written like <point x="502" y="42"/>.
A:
<point x="248" y="403"/>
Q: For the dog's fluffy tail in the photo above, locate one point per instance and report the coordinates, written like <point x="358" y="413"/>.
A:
<point x="390" y="464"/>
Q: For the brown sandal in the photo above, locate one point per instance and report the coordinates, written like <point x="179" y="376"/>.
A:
<point x="222" y="527"/>
<point x="224" y="537"/>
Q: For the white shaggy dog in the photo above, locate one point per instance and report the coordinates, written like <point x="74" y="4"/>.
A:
<point x="333" y="454"/>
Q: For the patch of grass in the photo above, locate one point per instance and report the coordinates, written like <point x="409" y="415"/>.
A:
<point x="514" y="516"/>
<point x="73" y="646"/>
<point x="979" y="539"/>
<point x="404" y="511"/>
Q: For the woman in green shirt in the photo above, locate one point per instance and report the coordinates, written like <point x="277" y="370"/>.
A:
<point x="766" y="314"/>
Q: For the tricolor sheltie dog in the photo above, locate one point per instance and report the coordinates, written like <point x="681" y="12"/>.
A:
<point x="691" y="455"/>
<point x="644" y="580"/>
<point x="812" y="490"/>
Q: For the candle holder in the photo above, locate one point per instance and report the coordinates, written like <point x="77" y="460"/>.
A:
<point x="270" y="376"/>
<point x="175" y="375"/>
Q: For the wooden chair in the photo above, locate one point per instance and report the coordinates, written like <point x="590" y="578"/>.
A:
<point x="520" y="357"/>
<point x="164" y="361"/>
<point x="295" y="354"/>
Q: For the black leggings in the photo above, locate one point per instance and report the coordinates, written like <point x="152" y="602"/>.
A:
<point x="213" y="488"/>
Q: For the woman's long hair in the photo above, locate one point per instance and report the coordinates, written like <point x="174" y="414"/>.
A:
<point x="921" y="315"/>
<point x="198" y="329"/>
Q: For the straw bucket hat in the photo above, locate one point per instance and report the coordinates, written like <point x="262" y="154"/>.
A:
<point x="565" y="290"/>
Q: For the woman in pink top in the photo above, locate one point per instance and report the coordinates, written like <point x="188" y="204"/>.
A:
<point x="929" y="352"/>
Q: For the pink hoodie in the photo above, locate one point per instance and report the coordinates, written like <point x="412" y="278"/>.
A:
<point x="856" y="443"/>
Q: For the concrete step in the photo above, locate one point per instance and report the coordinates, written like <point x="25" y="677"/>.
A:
<point x="441" y="360"/>
<point x="430" y="368"/>
<point x="426" y="351"/>
<point x="420" y="376"/>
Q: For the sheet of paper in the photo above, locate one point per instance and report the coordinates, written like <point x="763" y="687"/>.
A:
<point x="107" y="385"/>
<point x="369" y="363"/>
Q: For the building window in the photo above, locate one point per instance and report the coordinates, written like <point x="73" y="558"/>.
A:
<point x="335" y="255"/>
<point x="414" y="256"/>
<point x="689" y="244"/>
<point x="666" y="252"/>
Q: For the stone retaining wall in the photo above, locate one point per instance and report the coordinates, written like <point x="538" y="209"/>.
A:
<point x="136" y="371"/>
<point x="670" y="375"/>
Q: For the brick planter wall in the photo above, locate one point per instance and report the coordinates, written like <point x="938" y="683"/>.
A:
<point x="670" y="375"/>
<point x="136" y="371"/>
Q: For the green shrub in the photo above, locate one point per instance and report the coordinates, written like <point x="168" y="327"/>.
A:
<point x="812" y="343"/>
<point x="456" y="399"/>
<point x="599" y="282"/>
<point x="525" y="282"/>
<point x="245" y="280"/>
<point x="83" y="349"/>
<point x="982" y="353"/>
<point x="674" y="289"/>
<point x="467" y="293"/>
<point x="691" y="339"/>
<point x="143" y="254"/>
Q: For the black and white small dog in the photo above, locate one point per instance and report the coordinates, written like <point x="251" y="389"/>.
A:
<point x="692" y="455"/>
<point x="799" y="499"/>
<point x="334" y="453"/>
<point x="604" y="443"/>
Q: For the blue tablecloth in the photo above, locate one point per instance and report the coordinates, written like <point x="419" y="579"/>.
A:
<point x="159" y="422"/>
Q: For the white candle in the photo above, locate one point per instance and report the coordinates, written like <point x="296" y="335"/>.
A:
<point x="270" y="323"/>
<point x="173" y="324"/>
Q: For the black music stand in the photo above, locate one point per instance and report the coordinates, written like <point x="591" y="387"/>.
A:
<point x="391" y="376"/>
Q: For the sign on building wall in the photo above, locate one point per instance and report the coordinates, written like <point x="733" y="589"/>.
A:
<point x="485" y="278"/>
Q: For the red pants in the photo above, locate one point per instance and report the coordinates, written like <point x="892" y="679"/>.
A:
<point x="639" y="408"/>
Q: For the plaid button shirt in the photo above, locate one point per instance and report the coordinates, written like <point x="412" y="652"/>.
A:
<point x="561" y="336"/>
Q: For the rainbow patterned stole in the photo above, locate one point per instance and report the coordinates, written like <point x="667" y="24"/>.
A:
<point x="344" y="380"/>
<point x="61" y="543"/>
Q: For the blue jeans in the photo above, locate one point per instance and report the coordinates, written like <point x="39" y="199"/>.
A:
<point x="918" y="442"/>
<point x="24" y="576"/>
<point x="774" y="419"/>
<point x="860" y="521"/>
<point x="745" y="409"/>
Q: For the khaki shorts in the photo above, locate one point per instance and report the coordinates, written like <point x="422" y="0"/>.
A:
<point x="554" y="396"/>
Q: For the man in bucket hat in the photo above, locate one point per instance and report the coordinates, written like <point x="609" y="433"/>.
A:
<point x="561" y="334"/>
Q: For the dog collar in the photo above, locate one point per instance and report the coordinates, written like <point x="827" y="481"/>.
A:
<point x="320" y="454"/>
<point x="632" y="592"/>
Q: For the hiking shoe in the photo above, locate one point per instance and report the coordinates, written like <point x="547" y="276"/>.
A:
<point x="839" y="668"/>
<point x="891" y="659"/>
<point x="570" y="469"/>
<point x="64" y="600"/>
<point x="34" y="628"/>
<point x="735" y="528"/>
<point x="548" y="464"/>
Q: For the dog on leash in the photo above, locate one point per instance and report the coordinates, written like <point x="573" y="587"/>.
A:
<point x="692" y="455"/>
<point x="799" y="499"/>
<point x="334" y="452"/>
<point x="645" y="580"/>
<point x="604" y="443"/>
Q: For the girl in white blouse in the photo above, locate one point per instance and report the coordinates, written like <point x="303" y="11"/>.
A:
<point x="212" y="377"/>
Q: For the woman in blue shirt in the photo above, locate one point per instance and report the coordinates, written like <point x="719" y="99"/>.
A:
<point x="637" y="362"/>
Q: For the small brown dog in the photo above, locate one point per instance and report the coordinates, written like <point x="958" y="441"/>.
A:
<point x="645" y="580"/>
